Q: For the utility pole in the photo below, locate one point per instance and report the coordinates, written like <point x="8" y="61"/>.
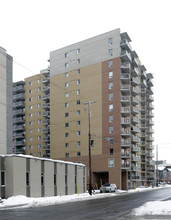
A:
<point x="157" y="174"/>
<point x="89" y="143"/>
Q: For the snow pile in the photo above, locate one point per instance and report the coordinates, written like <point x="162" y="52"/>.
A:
<point x="153" y="208"/>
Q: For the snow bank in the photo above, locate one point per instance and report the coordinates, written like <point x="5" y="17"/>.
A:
<point x="153" y="208"/>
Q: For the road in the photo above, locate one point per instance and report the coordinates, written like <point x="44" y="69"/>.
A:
<point x="97" y="209"/>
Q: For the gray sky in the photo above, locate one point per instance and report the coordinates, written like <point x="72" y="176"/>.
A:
<point x="30" y="29"/>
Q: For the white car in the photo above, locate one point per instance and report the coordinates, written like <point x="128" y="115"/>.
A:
<point x="108" y="187"/>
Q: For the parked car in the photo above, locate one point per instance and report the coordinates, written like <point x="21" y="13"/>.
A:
<point x="108" y="187"/>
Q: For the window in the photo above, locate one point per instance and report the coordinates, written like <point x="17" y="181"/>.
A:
<point x="39" y="154"/>
<point x="67" y="135"/>
<point x="66" y="75"/>
<point x="38" y="138"/>
<point x="39" y="89"/>
<point x="66" y="85"/>
<point x="66" y="125"/>
<point x="39" y="80"/>
<point x="66" y="155"/>
<point x="30" y="99"/>
<point x="30" y="91"/>
<point x="30" y="139"/>
<point x="78" y="61"/>
<point x="78" y="133"/>
<point x="110" y="96"/>
<point x="78" y="112"/>
<point x="110" y="41"/>
<point x="110" y="74"/>
<point x="110" y="118"/>
<point x="30" y="131"/>
<point x="66" y="95"/>
<point x="38" y="105"/>
<point x="66" y="105"/>
<point x="78" y="51"/>
<point x="31" y="115"/>
<point x="78" y="102"/>
<point x="66" y="65"/>
<point x="110" y="52"/>
<point x="78" y="81"/>
<point x="30" y="83"/>
<point x="30" y="123"/>
<point x="111" y="85"/>
<point x="110" y="162"/>
<point x="78" y="122"/>
<point x="66" y="145"/>
<point x="110" y="63"/>
<point x="27" y="178"/>
<point x="38" y="113"/>
<point x="78" y="154"/>
<point x="66" y="54"/>
<point x="111" y="151"/>
<point x="110" y="107"/>
<point x="78" y="92"/>
<point x="30" y="107"/>
<point x="39" y="129"/>
<point x="110" y="141"/>
<point x="78" y="143"/>
<point x="39" y="146"/>
<point x="39" y="121"/>
<point x="110" y="129"/>
<point x="78" y="71"/>
<point x="30" y="147"/>
<point x="39" y="97"/>
<point x="66" y="115"/>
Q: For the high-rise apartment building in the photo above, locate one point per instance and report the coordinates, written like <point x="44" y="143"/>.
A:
<point x="19" y="117"/>
<point x="103" y="69"/>
<point x="37" y="114"/>
<point x="6" y="62"/>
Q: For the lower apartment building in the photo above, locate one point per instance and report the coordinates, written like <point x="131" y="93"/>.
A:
<point x="36" y="177"/>
<point x="105" y="70"/>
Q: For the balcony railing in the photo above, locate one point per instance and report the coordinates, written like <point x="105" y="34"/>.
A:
<point x="135" y="119"/>
<point x="125" y="66"/>
<point x="135" y="110"/>
<point x="134" y="62"/>
<point x="125" y="110"/>
<point x="135" y="138"/>
<point x="125" y="166"/>
<point x="125" y="132"/>
<point x="18" y="88"/>
<point x="125" y="143"/>
<point x="136" y="149"/>
<point x="135" y="91"/>
<point x="135" y="81"/>
<point x="125" y="121"/>
<point x="136" y="158"/>
<point x="135" y="72"/>
<point x="125" y="56"/>
<point x="125" y="77"/>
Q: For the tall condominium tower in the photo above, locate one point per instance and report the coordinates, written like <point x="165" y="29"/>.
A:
<point x="105" y="70"/>
<point x="37" y="111"/>
<point x="6" y="62"/>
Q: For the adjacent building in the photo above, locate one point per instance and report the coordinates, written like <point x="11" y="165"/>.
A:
<point x="105" y="70"/>
<point x="37" y="114"/>
<point x="6" y="63"/>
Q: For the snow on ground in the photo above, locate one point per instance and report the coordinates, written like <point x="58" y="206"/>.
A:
<point x="150" y="208"/>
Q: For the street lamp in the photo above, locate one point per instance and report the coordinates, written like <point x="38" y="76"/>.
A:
<point x="89" y="143"/>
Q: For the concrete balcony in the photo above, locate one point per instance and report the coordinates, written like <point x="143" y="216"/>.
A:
<point x="46" y="97"/>
<point x="125" y="100"/>
<point x="125" y="56"/>
<point x="135" y="62"/>
<point x="136" y="149"/>
<point x="150" y="139"/>
<point x="150" y="98"/>
<point x="150" y="130"/>
<point x="135" y="72"/>
<point x="150" y="147"/>
<point x="125" y="155"/>
<point x="19" y="112"/>
<point x="143" y="143"/>
<point x="46" y="80"/>
<point x="135" y="81"/>
<point x="20" y="96"/>
<point x="125" y="88"/>
<point x="135" y="139"/>
<point x="125" y="122"/>
<point x="135" y="101"/>
<point x="125" y="144"/>
<point x="135" y="178"/>
<point x="125" y="166"/>
<point x="135" y="111"/>
<point x="19" y="88"/>
<point x="150" y="106"/>
<point x="135" y="129"/>
<point x="135" y="91"/>
<point x="136" y="168"/>
<point x="125" y="67"/>
<point x="19" y="104"/>
<point x="136" y="158"/>
<point x="125" y="132"/>
<point x="125" y="77"/>
<point x="125" y="111"/>
<point x="125" y="45"/>
<point x="135" y="120"/>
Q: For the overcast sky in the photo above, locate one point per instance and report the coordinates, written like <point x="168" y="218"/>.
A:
<point x="30" y="29"/>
